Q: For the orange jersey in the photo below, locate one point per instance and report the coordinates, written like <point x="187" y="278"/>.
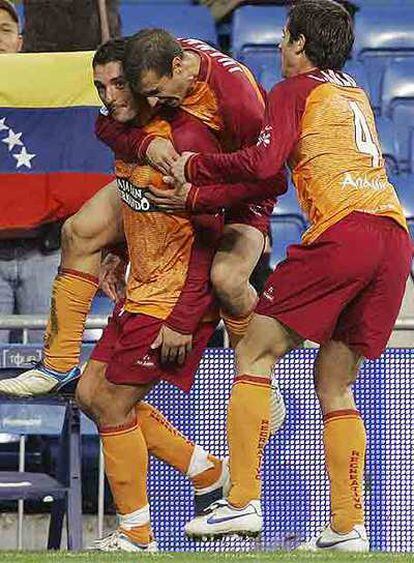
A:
<point x="170" y="254"/>
<point x="321" y="123"/>
<point x="337" y="165"/>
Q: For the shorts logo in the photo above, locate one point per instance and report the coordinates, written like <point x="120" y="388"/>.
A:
<point x="134" y="197"/>
<point x="265" y="136"/>
<point x="145" y="362"/>
<point x="269" y="293"/>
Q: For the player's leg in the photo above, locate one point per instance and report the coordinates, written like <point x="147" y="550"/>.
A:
<point x="97" y="224"/>
<point x="112" y="407"/>
<point x="240" y="249"/>
<point x="207" y="473"/>
<point x="363" y="330"/>
<point x="265" y="342"/>
<point x="344" y="438"/>
<point x="84" y="236"/>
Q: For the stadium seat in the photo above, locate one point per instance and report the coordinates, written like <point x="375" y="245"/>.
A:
<point x="287" y="205"/>
<point x="404" y="184"/>
<point x="287" y="225"/>
<point x="285" y="231"/>
<point x="383" y="33"/>
<point x="358" y="71"/>
<point x="257" y="31"/>
<point x="397" y="103"/>
<point x="412" y="152"/>
<point x="181" y="20"/>
<point x="387" y="137"/>
<point x="269" y="77"/>
<point x="101" y="306"/>
<point x="51" y="416"/>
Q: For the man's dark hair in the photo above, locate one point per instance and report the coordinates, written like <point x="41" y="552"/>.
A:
<point x="109" y="52"/>
<point x="10" y="9"/>
<point x="328" y="29"/>
<point x="150" y="49"/>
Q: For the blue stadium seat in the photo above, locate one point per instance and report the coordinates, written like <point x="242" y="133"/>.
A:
<point x="287" y="225"/>
<point x="257" y="31"/>
<point x="101" y="306"/>
<point x="397" y="103"/>
<point x="285" y="231"/>
<point x="412" y="152"/>
<point x="180" y="19"/>
<point x="362" y="4"/>
<point x="268" y="77"/>
<point x="383" y="33"/>
<point x="404" y="184"/>
<point x="358" y="71"/>
<point x="387" y="137"/>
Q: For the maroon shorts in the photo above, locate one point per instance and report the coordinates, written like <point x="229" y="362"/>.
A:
<point x="348" y="285"/>
<point x="125" y="347"/>
<point x="255" y="215"/>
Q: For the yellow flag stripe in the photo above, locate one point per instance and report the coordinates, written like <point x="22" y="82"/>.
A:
<point x="47" y="80"/>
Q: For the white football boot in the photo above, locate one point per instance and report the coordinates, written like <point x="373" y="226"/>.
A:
<point x="203" y="498"/>
<point x="119" y="541"/>
<point x="222" y="519"/>
<point x="277" y="409"/>
<point x="39" y="380"/>
<point x="328" y="539"/>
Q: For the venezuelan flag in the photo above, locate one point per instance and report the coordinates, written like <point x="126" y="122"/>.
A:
<point x="50" y="160"/>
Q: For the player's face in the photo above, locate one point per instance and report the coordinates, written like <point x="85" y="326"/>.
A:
<point x="165" y="90"/>
<point x="114" y="91"/>
<point x="10" y="39"/>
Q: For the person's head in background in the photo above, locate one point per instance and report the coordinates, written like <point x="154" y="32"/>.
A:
<point x="10" y="37"/>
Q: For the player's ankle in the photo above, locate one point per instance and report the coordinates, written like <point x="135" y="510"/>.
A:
<point x="210" y="475"/>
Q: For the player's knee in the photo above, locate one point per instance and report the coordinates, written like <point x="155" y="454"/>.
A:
<point x="76" y="236"/>
<point x="86" y="398"/>
<point x="72" y="238"/>
<point x="330" y="389"/>
<point x="228" y="283"/>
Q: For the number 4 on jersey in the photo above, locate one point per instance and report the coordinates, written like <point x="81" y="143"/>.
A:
<point x="363" y="136"/>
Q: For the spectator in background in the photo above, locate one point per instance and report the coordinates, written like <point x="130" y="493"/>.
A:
<point x="10" y="38"/>
<point x="69" y="25"/>
<point x="28" y="258"/>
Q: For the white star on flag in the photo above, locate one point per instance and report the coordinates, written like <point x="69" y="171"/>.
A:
<point x="23" y="158"/>
<point x="12" y="139"/>
<point x="3" y="126"/>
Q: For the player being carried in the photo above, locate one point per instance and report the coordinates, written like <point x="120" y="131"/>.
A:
<point x="342" y="287"/>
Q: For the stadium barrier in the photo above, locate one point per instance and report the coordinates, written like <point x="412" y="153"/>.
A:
<point x="295" y="496"/>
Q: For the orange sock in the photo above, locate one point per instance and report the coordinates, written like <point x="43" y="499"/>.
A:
<point x="236" y="326"/>
<point x="247" y="433"/>
<point x="126" y="466"/>
<point x="72" y="296"/>
<point x="167" y="443"/>
<point x="345" y="444"/>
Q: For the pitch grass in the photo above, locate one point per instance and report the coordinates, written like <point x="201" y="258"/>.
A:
<point x="265" y="557"/>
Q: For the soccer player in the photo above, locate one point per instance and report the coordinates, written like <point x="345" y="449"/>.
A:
<point x="168" y="292"/>
<point x="203" y="81"/>
<point x="342" y="287"/>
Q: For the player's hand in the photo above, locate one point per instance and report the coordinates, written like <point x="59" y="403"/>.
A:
<point x="177" y="170"/>
<point x="161" y="154"/>
<point x="174" y="347"/>
<point x="172" y="200"/>
<point x="112" y="277"/>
